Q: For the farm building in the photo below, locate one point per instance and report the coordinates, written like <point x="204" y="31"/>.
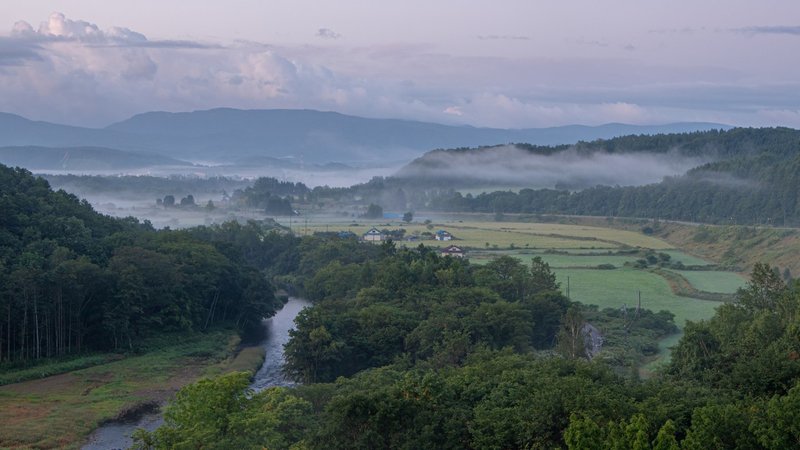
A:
<point x="454" y="251"/>
<point x="373" y="235"/>
<point x="442" y="235"/>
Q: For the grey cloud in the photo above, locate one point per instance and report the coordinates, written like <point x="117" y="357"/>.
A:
<point x="14" y="53"/>
<point x="592" y="42"/>
<point x="327" y="33"/>
<point x="140" y="67"/>
<point x="502" y="37"/>
<point x="793" y="30"/>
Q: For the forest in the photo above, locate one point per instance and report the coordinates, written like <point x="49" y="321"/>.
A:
<point x="406" y="349"/>
<point x="74" y="281"/>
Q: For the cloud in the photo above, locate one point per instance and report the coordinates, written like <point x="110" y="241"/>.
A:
<point x="58" y="28"/>
<point x="792" y="30"/>
<point x="76" y="72"/>
<point x="327" y="33"/>
<point x="503" y="37"/>
<point x="14" y="53"/>
<point x="453" y="110"/>
<point x="589" y="42"/>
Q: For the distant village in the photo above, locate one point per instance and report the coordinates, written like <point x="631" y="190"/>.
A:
<point x="375" y="235"/>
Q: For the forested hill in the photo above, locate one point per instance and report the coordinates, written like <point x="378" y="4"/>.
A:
<point x="740" y="175"/>
<point x="73" y="280"/>
<point x="626" y="160"/>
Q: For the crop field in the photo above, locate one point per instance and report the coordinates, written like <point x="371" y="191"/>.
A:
<point x="466" y="235"/>
<point x="714" y="280"/>
<point x="613" y="288"/>
<point x="477" y="234"/>
<point x="629" y="238"/>
<point x="558" y="260"/>
<point x="686" y="259"/>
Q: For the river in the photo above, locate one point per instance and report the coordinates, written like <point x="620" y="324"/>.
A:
<point x="116" y="435"/>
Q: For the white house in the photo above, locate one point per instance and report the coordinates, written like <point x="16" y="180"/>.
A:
<point x="373" y="235"/>
<point x="442" y="235"/>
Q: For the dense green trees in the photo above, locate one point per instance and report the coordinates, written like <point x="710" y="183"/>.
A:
<point x="72" y="280"/>
<point x="419" y="351"/>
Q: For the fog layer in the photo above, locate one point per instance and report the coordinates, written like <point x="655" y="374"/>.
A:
<point x="515" y="167"/>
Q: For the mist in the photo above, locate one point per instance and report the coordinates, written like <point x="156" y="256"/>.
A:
<point x="509" y="166"/>
<point x="333" y="176"/>
<point x="135" y="192"/>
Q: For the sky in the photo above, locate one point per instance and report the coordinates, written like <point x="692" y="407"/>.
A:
<point x="501" y="63"/>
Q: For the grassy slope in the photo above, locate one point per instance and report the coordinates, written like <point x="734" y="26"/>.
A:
<point x="714" y="280"/>
<point x="60" y="411"/>
<point x="613" y="288"/>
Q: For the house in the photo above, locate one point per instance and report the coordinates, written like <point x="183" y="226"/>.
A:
<point x="454" y="251"/>
<point x="373" y="235"/>
<point x="442" y="235"/>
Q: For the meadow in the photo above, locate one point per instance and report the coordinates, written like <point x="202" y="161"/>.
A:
<point x="60" y="411"/>
<point x="477" y="234"/>
<point x="615" y="288"/>
<point x="714" y="280"/>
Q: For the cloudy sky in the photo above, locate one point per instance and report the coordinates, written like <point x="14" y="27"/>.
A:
<point x="502" y="63"/>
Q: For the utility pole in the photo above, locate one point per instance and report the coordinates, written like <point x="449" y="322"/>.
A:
<point x="568" y="287"/>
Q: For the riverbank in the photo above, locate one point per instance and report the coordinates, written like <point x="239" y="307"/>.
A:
<point x="268" y="356"/>
<point x="62" y="410"/>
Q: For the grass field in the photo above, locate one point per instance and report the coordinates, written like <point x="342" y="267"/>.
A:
<point x="714" y="280"/>
<point x="629" y="238"/>
<point x="61" y="410"/>
<point x="687" y="260"/>
<point x="556" y="260"/>
<point x="613" y="288"/>
<point x="476" y="234"/>
<point x="466" y="236"/>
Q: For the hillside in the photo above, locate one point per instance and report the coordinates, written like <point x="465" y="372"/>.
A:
<point x="626" y="160"/>
<point x="750" y="177"/>
<point x="304" y="136"/>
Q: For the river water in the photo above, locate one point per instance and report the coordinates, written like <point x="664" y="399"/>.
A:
<point x="276" y="333"/>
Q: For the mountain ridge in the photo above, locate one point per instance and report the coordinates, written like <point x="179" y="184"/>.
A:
<point x="226" y="134"/>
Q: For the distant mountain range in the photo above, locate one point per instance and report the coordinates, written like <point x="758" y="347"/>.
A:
<point x="81" y="158"/>
<point x="234" y="136"/>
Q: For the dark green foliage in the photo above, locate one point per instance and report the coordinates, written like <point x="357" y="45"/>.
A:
<point x="222" y="414"/>
<point x="373" y="212"/>
<point x="72" y="280"/>
<point x="430" y="352"/>
<point x="750" y="346"/>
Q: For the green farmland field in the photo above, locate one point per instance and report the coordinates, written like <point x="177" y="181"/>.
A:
<point x="558" y="260"/>
<point x="687" y="260"/>
<point x="613" y="288"/>
<point x="714" y="280"/>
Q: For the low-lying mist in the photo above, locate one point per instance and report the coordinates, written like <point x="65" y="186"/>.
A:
<point x="343" y="176"/>
<point x="570" y="169"/>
